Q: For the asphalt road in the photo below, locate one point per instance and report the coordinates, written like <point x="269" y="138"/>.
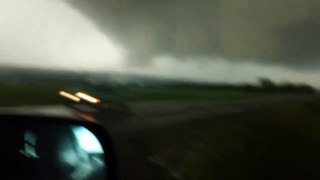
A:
<point x="151" y="140"/>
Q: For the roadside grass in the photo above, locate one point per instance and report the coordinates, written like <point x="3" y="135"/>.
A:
<point x="16" y="94"/>
<point x="170" y="94"/>
<point x="30" y="94"/>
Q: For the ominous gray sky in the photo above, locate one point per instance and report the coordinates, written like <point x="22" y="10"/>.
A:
<point x="274" y="31"/>
<point x="212" y="40"/>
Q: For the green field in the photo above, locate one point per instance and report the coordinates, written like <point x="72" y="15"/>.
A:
<point x="168" y="94"/>
<point x="30" y="94"/>
<point x="25" y="94"/>
<point x="46" y="94"/>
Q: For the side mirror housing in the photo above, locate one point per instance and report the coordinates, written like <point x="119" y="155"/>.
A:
<point x="36" y="147"/>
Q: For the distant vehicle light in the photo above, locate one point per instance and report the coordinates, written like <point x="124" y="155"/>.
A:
<point x="87" y="117"/>
<point x="88" y="98"/>
<point x="69" y="96"/>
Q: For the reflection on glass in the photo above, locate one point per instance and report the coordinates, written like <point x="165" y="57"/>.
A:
<point x="29" y="145"/>
<point x="87" y="140"/>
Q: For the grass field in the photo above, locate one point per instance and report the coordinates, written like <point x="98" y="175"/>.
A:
<point x="156" y="94"/>
<point x="30" y="94"/>
<point x="46" y="94"/>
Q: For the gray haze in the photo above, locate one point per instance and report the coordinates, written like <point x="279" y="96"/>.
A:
<point x="225" y="41"/>
<point x="50" y="34"/>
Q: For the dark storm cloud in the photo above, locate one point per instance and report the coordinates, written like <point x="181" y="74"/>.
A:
<point x="301" y="41"/>
<point x="266" y="31"/>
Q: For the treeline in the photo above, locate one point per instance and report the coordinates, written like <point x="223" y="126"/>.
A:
<point x="268" y="85"/>
<point x="263" y="85"/>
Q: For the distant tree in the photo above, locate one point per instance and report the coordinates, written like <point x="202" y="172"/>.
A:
<point x="267" y="84"/>
<point x="296" y="88"/>
<point x="305" y="88"/>
<point x="288" y="87"/>
<point x="250" y="87"/>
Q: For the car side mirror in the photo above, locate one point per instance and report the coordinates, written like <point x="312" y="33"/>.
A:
<point x="34" y="147"/>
